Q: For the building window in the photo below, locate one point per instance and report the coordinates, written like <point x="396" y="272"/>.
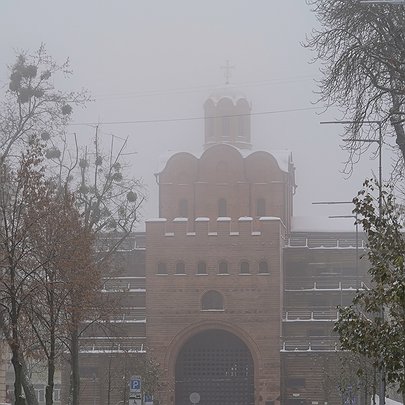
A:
<point x="263" y="267"/>
<point x="296" y="401"/>
<point x="212" y="300"/>
<point x="180" y="268"/>
<point x="244" y="268"/>
<point x="226" y="127"/>
<point x="201" y="268"/>
<point x="296" y="382"/>
<point x="56" y="393"/>
<point x="261" y="207"/>
<point x="162" y="268"/>
<point x="222" y="207"/>
<point x="223" y="268"/>
<point x="210" y="126"/>
<point x="183" y="208"/>
<point x="241" y="130"/>
<point x="40" y="392"/>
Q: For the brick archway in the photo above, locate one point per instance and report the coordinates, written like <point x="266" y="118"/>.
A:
<point x="218" y="366"/>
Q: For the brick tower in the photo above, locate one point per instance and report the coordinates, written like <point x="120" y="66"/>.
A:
<point x="214" y="264"/>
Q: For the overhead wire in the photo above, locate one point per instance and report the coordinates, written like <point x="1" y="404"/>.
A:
<point x="129" y="94"/>
<point x="179" y="119"/>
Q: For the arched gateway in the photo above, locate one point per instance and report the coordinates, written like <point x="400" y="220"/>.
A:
<point x="218" y="366"/>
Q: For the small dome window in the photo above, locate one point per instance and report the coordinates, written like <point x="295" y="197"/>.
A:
<point x="183" y="208"/>
<point x="226" y="127"/>
<point x="212" y="300"/>
<point x="222" y="211"/>
<point x="242" y="125"/>
<point x="261" y="207"/>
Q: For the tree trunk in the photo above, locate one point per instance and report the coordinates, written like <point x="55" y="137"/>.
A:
<point x="50" y="383"/>
<point x="15" y="344"/>
<point x="75" y="381"/>
<point x="398" y="127"/>
<point x="52" y="354"/>
<point x="29" y="391"/>
<point x="15" y="360"/>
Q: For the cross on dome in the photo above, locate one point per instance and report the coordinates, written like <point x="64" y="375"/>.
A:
<point x="227" y="68"/>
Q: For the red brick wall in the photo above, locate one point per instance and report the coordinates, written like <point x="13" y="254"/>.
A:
<point x="252" y="303"/>
<point x="222" y="172"/>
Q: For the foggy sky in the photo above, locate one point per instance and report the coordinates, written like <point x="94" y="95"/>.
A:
<point x="159" y="60"/>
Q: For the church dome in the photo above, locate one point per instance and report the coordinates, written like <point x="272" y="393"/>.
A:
<point x="228" y="92"/>
<point x="227" y="118"/>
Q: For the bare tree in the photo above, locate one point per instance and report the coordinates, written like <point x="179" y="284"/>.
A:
<point x="19" y="192"/>
<point x="32" y="105"/>
<point x="105" y="203"/>
<point x="121" y="367"/>
<point x="361" y="48"/>
<point x="108" y="201"/>
<point x="63" y="248"/>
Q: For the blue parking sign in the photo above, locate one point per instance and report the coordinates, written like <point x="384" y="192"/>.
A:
<point x="148" y="399"/>
<point x="135" y="384"/>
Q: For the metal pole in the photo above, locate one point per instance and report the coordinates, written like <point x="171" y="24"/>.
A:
<point x="382" y="377"/>
<point x="380" y="167"/>
<point x="357" y="254"/>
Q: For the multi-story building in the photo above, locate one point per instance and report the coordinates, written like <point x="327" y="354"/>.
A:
<point x="232" y="296"/>
<point x="321" y="272"/>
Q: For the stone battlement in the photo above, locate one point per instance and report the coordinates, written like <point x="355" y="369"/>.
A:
<point x="222" y="227"/>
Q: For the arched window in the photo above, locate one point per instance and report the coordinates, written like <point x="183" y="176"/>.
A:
<point x="242" y="125"/>
<point x="161" y="268"/>
<point x="261" y="207"/>
<point x="209" y="122"/>
<point x="212" y="300"/>
<point x="226" y="127"/>
<point x="244" y="268"/>
<point x="263" y="267"/>
<point x="180" y="268"/>
<point x="223" y="268"/>
<point x="202" y="268"/>
<point x="183" y="208"/>
<point x="222" y="207"/>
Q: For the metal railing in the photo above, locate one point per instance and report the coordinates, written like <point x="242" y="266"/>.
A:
<point x="112" y="345"/>
<point x="310" y="344"/>
<point x="331" y="243"/>
<point x="298" y="315"/>
<point x="323" y="285"/>
<point x="124" y="284"/>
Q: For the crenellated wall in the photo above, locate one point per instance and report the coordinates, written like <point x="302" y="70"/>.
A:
<point x="251" y="301"/>
<point x="203" y="227"/>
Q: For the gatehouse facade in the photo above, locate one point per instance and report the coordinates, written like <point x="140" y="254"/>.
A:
<point x="232" y="296"/>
